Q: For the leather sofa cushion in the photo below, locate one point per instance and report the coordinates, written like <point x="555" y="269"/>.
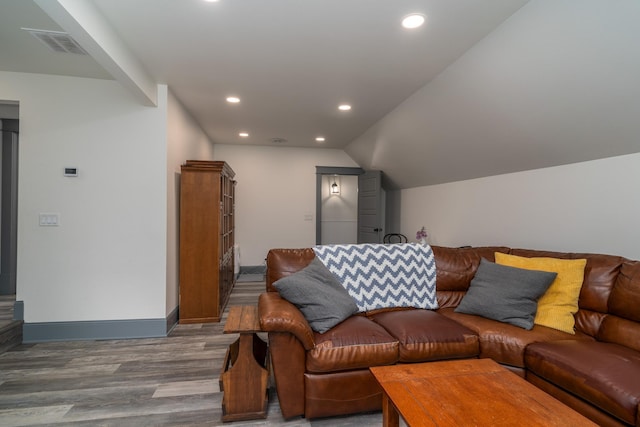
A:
<point x="356" y="343"/>
<point x="616" y="330"/>
<point x="425" y="335"/>
<point x="455" y="267"/>
<point x="622" y="325"/>
<point x="506" y="343"/>
<point x="625" y="297"/>
<point x="601" y="373"/>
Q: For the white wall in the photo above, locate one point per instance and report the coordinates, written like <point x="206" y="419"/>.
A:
<point x="186" y="141"/>
<point x="275" y="195"/>
<point x="339" y="211"/>
<point x="107" y="259"/>
<point x="584" y="207"/>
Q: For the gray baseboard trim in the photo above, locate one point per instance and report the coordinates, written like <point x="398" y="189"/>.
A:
<point x="18" y="310"/>
<point x="253" y="269"/>
<point x="94" y="330"/>
<point x="172" y="319"/>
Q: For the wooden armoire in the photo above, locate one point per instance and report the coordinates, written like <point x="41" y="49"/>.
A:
<point x="207" y="275"/>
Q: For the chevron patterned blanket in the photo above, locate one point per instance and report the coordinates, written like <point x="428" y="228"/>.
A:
<point x="384" y="276"/>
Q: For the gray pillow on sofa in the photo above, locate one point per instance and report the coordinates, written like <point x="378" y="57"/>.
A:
<point x="319" y="295"/>
<point x="507" y="294"/>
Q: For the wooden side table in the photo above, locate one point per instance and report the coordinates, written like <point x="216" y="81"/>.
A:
<point x="245" y="371"/>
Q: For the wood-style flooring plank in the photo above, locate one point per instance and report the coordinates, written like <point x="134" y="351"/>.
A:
<point x="170" y="381"/>
<point x="33" y="415"/>
<point x="185" y="388"/>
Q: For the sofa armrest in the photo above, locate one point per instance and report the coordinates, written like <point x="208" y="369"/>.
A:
<point x="279" y="315"/>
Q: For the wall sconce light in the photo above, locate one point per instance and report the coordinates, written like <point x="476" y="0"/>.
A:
<point x="335" y="188"/>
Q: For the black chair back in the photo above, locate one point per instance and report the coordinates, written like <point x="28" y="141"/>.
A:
<point x="394" y="238"/>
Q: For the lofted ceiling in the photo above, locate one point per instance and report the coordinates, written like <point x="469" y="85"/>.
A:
<point x="426" y="107"/>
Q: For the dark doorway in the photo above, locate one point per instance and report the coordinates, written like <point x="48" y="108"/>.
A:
<point x="9" y="209"/>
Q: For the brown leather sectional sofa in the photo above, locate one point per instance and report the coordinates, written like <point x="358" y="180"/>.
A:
<point x="596" y="371"/>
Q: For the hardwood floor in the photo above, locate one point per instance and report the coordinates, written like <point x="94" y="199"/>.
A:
<point x="170" y="381"/>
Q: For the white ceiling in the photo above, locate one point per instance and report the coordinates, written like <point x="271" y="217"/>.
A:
<point x="290" y="61"/>
<point x="293" y="61"/>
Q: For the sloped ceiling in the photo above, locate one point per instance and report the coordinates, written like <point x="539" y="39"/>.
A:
<point x="485" y="88"/>
<point x="557" y="83"/>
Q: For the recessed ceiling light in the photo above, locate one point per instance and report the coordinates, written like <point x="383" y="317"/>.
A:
<point x="243" y="134"/>
<point x="212" y="1"/>
<point x="320" y="139"/>
<point x="233" y="99"/>
<point x="344" y="107"/>
<point x="414" y="20"/>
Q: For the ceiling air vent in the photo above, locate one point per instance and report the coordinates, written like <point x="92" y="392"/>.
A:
<point x="57" y="41"/>
<point x="278" y="140"/>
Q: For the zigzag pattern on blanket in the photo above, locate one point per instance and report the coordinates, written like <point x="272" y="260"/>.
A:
<point x="383" y="276"/>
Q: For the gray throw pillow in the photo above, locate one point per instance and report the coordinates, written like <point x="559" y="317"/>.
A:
<point x="504" y="293"/>
<point x="319" y="296"/>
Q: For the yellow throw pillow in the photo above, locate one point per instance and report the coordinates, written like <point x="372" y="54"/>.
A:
<point x="559" y="303"/>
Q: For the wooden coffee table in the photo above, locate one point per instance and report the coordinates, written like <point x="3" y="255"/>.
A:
<point x="474" y="392"/>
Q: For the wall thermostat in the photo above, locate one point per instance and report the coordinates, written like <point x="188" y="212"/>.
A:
<point x="70" y="171"/>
